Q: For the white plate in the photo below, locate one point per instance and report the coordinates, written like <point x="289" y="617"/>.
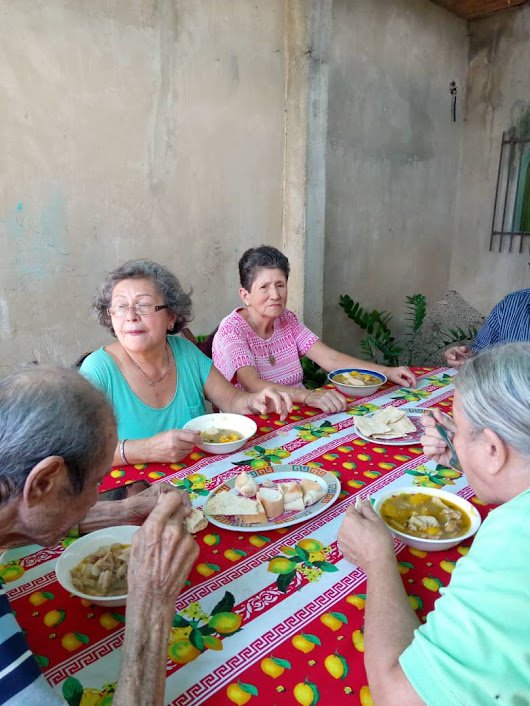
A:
<point x="284" y="474"/>
<point x="407" y="440"/>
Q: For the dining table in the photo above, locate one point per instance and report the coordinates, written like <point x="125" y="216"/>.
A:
<point x="271" y="614"/>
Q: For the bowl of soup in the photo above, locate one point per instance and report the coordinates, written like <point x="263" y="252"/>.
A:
<point x="427" y="518"/>
<point x="356" y="382"/>
<point x="94" y="567"/>
<point x="222" y="433"/>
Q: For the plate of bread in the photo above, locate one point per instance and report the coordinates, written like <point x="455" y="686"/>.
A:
<point x="391" y="426"/>
<point x="271" y="498"/>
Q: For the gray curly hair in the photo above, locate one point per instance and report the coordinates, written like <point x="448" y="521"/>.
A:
<point x="494" y="388"/>
<point x="177" y="300"/>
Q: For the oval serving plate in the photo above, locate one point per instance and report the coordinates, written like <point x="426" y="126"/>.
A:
<point x="406" y="440"/>
<point x="283" y="474"/>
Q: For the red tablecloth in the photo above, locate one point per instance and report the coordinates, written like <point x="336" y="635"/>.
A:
<point x="266" y="617"/>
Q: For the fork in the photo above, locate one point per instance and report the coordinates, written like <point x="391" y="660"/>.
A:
<point x="446" y="436"/>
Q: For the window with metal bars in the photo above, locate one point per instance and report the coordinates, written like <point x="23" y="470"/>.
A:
<point x="510" y="228"/>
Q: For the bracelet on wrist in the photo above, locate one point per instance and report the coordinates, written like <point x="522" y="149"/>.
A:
<point x="122" y="452"/>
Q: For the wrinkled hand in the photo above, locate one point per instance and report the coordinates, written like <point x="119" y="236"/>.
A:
<point x="171" y="446"/>
<point x="269" y="400"/>
<point x="162" y="553"/>
<point x="136" y="508"/>
<point x="433" y="444"/>
<point x="328" y="401"/>
<point x="401" y="376"/>
<point x="364" y="539"/>
<point x="457" y="356"/>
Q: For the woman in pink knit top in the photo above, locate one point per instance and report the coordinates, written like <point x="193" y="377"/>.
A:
<point x="262" y="343"/>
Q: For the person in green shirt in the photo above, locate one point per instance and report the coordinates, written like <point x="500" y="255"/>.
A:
<point x="474" y="648"/>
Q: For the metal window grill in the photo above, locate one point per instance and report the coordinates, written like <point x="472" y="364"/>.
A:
<point x="508" y="231"/>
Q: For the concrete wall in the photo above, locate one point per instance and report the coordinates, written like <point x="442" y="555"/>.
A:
<point x="141" y="128"/>
<point x="392" y="155"/>
<point x="498" y="99"/>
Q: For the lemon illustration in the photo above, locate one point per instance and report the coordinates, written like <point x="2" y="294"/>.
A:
<point x="356" y="483"/>
<point x="54" y="617"/>
<point x="207" y="569"/>
<point x="257" y="540"/>
<point x="336" y="666"/>
<point x="281" y="565"/>
<point x="225" y="623"/>
<point x="211" y="539"/>
<point x="373" y="474"/>
<point x="304" y="642"/>
<point x="349" y="465"/>
<point x="357" y="599"/>
<point x="182" y="652"/>
<point x="273" y="667"/>
<point x="39" y="597"/>
<point x="240" y="694"/>
<point x="358" y="640"/>
<point x="11" y="572"/>
<point x="177" y="634"/>
<point x="448" y="566"/>
<point x="71" y="642"/>
<point x="108" y="621"/>
<point x="462" y="550"/>
<point x="310" y="545"/>
<point x="379" y="450"/>
<point x="432" y="584"/>
<point x="306" y="693"/>
<point x="415" y="602"/>
<point x="117" y="473"/>
<point x="333" y="621"/>
<point x="234" y="554"/>
<point x="365" y="697"/>
<point x="417" y="552"/>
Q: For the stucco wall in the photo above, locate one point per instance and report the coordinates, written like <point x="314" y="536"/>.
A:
<point x="392" y="155"/>
<point x="147" y="128"/>
<point x="498" y="99"/>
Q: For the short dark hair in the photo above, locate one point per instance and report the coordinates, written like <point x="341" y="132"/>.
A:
<point x="50" y="411"/>
<point x="255" y="259"/>
<point x="178" y="301"/>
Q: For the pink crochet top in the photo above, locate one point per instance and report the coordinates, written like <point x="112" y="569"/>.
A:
<point x="277" y="359"/>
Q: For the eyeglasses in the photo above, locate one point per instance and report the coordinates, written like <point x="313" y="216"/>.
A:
<point x="140" y="309"/>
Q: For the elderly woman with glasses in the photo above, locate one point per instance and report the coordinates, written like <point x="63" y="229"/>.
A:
<point x="474" y="647"/>
<point x="261" y="344"/>
<point x="157" y="381"/>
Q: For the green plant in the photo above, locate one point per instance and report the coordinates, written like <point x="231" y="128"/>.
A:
<point x="314" y="376"/>
<point x="379" y="341"/>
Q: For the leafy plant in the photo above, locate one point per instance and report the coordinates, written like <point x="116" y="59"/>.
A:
<point x="382" y="346"/>
<point x="314" y="375"/>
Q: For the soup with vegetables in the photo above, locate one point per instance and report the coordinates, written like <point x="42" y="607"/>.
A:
<point x="220" y="436"/>
<point x="425" y="516"/>
<point x="354" y="377"/>
<point x="103" y="573"/>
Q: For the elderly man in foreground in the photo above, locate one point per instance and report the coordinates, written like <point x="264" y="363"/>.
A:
<point x="474" y="648"/>
<point x="57" y="440"/>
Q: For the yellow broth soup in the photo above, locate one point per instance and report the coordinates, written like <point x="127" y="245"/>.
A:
<point x="356" y="378"/>
<point x="220" y="436"/>
<point x="425" y="516"/>
<point x="103" y="573"/>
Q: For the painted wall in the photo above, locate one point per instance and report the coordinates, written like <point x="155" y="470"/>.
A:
<point x="392" y="155"/>
<point x="498" y="99"/>
<point x="149" y="128"/>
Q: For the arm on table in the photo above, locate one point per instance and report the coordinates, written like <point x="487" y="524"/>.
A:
<point x="130" y="511"/>
<point x="230" y="399"/>
<point x="162" y="556"/>
<point x="389" y="620"/>
<point x="330" y="359"/>
<point x="329" y="401"/>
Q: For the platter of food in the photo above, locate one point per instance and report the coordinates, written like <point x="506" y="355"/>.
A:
<point x="271" y="498"/>
<point x="392" y="426"/>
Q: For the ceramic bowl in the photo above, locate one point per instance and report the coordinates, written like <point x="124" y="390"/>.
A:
<point x="81" y="548"/>
<point x="223" y="420"/>
<point x="432" y="545"/>
<point x="354" y="390"/>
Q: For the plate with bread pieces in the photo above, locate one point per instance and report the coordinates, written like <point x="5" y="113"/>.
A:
<point x="271" y="498"/>
<point x="392" y="426"/>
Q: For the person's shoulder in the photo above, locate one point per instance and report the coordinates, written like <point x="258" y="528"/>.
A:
<point x="96" y="360"/>
<point x="520" y="296"/>
<point x="288" y="318"/>
<point x="233" y="322"/>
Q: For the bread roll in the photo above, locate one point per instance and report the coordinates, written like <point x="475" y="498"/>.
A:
<point x="312" y="491"/>
<point x="195" y="521"/>
<point x="272" y="501"/>
<point x="246" y="485"/>
<point x="225" y="503"/>
<point x="293" y="497"/>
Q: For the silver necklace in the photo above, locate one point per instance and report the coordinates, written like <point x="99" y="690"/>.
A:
<point x="150" y="382"/>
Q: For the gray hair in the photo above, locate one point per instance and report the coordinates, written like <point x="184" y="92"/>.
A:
<point x="255" y="259"/>
<point x="177" y="300"/>
<point x="494" y="387"/>
<point x="50" y="411"/>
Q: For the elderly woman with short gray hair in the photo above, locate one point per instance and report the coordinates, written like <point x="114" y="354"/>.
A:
<point x="57" y="439"/>
<point x="157" y="381"/>
<point x="474" y="647"/>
